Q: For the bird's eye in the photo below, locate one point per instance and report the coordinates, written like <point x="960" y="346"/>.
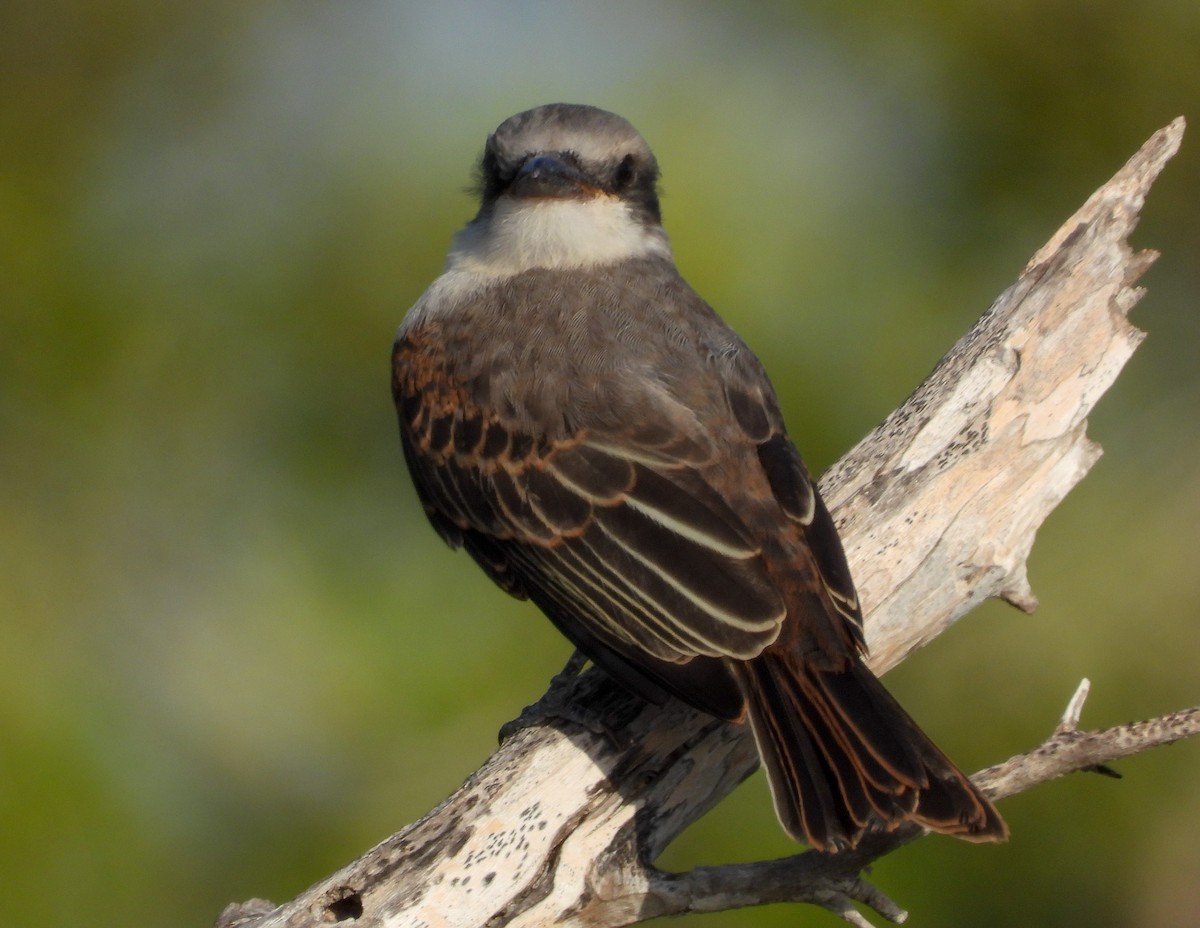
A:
<point x="625" y="171"/>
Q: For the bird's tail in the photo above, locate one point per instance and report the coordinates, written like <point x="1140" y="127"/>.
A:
<point x="842" y="756"/>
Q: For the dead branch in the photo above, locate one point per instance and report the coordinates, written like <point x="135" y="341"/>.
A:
<point x="938" y="507"/>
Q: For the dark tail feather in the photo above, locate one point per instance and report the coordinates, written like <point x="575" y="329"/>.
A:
<point x="842" y="756"/>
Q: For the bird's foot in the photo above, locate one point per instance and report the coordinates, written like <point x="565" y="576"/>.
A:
<point x="557" y="704"/>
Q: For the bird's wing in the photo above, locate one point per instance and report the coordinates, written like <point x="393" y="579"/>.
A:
<point x="627" y="538"/>
<point x="639" y="543"/>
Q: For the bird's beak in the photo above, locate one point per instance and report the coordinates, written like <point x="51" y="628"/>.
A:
<point x="548" y="175"/>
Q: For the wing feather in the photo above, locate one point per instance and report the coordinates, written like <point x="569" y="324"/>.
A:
<point x="626" y="533"/>
<point x="650" y="553"/>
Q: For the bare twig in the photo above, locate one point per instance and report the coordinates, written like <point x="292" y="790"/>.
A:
<point x="1069" y="750"/>
<point x="1070" y="717"/>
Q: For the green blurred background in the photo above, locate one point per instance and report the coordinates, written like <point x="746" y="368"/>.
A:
<point x="233" y="656"/>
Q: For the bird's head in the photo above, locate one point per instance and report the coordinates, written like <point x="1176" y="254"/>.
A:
<point x="560" y="186"/>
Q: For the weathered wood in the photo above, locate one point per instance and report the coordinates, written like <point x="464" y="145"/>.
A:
<point x="938" y="507"/>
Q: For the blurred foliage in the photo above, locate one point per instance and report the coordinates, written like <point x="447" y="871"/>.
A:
<point x="232" y="656"/>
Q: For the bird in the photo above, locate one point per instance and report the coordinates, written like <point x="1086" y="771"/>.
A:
<point x="579" y="420"/>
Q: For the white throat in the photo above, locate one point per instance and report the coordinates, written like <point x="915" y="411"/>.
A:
<point x="556" y="234"/>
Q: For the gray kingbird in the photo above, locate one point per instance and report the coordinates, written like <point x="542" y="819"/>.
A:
<point x="579" y="420"/>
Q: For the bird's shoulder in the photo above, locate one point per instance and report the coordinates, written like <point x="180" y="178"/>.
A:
<point x="556" y="352"/>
